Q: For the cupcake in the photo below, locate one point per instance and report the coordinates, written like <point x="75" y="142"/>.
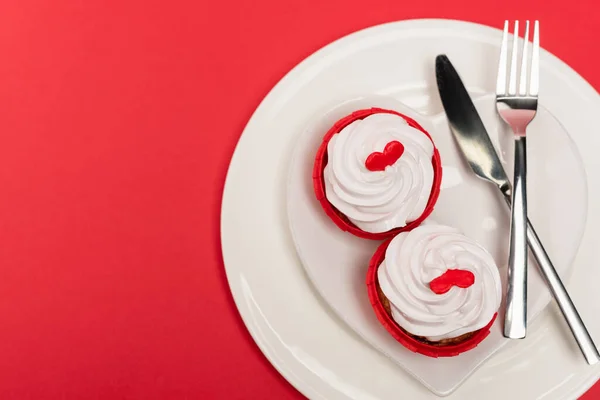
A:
<point x="435" y="290"/>
<point x="377" y="173"/>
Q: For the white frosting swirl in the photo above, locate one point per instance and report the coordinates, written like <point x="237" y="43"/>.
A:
<point x="413" y="259"/>
<point x="378" y="201"/>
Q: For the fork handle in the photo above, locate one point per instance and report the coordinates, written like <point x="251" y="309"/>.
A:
<point x="560" y="294"/>
<point x="515" y="318"/>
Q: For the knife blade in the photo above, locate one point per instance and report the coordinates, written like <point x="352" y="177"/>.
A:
<point x="467" y="127"/>
<point x="476" y="146"/>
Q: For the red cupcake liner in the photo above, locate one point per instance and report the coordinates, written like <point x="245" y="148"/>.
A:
<point x="401" y="336"/>
<point x="337" y="216"/>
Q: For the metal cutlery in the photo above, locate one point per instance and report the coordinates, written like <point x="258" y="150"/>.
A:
<point x="475" y="144"/>
<point x="518" y="108"/>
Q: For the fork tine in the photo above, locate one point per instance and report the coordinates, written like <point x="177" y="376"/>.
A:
<point x="501" y="80"/>
<point x="523" y="79"/>
<point x="512" y="84"/>
<point x="535" y="62"/>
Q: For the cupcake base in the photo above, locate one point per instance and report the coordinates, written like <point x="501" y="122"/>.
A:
<point x="337" y="216"/>
<point x="444" y="342"/>
<point x="418" y="344"/>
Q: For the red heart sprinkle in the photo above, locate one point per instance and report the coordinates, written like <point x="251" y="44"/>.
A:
<point x="452" y="277"/>
<point x="378" y="161"/>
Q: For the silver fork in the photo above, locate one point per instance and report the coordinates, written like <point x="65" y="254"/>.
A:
<point x="518" y="108"/>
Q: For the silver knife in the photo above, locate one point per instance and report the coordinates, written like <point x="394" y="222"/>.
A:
<point x="476" y="146"/>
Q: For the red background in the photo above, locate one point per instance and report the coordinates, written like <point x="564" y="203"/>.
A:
<point x="117" y="123"/>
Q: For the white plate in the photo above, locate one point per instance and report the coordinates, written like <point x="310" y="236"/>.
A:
<point x="337" y="262"/>
<point x="295" y="329"/>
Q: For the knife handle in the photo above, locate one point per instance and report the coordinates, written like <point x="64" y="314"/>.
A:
<point x="558" y="290"/>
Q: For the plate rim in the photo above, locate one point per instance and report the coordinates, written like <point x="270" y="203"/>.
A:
<point x="407" y="24"/>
